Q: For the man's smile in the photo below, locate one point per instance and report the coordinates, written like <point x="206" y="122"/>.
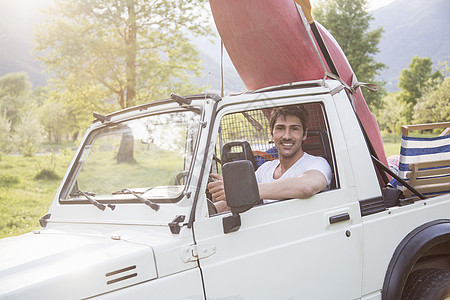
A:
<point x="287" y="144"/>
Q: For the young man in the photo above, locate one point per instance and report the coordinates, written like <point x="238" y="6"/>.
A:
<point x="296" y="174"/>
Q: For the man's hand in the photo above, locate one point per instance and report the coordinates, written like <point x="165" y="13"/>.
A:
<point x="216" y="187"/>
<point x="217" y="191"/>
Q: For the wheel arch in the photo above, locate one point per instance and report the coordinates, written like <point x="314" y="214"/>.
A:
<point x="409" y="251"/>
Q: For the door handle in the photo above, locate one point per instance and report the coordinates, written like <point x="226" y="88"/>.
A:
<point x="339" y="218"/>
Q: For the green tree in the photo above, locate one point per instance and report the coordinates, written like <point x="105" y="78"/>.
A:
<point x="349" y="22"/>
<point x="39" y="95"/>
<point x="5" y="133"/>
<point x="15" y="99"/>
<point x="444" y="68"/>
<point x="392" y="114"/>
<point x="56" y="120"/>
<point x="28" y="134"/>
<point x="111" y="54"/>
<point x="434" y="106"/>
<point x="417" y="78"/>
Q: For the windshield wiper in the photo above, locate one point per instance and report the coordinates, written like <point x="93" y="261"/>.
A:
<point x="95" y="202"/>
<point x="140" y="198"/>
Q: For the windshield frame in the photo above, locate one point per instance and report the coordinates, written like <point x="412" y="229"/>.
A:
<point x="73" y="173"/>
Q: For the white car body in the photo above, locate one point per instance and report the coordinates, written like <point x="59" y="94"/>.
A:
<point x="284" y="250"/>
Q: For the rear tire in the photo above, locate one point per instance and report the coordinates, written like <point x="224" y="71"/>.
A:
<point x="427" y="284"/>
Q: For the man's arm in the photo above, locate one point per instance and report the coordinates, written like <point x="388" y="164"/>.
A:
<point x="306" y="185"/>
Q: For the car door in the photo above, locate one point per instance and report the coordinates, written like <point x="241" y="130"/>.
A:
<point x="292" y="249"/>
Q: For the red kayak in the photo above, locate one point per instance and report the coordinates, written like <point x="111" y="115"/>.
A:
<point x="270" y="44"/>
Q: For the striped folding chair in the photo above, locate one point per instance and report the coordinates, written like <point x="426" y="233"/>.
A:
<point x="425" y="161"/>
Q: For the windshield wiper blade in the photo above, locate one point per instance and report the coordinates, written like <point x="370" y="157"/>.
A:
<point x="127" y="191"/>
<point x="142" y="199"/>
<point x="95" y="202"/>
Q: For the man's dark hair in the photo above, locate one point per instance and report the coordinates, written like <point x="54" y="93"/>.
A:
<point x="290" y="110"/>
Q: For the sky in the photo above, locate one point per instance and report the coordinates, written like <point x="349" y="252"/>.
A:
<point x="27" y="10"/>
<point x="36" y="5"/>
<point x="374" y="4"/>
<point x="23" y="13"/>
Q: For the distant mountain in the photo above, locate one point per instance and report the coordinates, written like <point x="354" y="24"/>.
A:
<point x="412" y="27"/>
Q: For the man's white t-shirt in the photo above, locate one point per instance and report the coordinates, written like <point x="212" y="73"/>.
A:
<point x="306" y="163"/>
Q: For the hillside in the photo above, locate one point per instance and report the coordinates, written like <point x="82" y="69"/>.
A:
<point x="412" y="27"/>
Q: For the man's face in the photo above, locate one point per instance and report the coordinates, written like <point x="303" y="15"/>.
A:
<point x="288" y="136"/>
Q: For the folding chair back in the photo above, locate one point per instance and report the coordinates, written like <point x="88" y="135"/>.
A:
<point x="425" y="161"/>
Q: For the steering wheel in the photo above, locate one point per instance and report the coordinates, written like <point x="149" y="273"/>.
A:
<point x="212" y="210"/>
<point x="181" y="177"/>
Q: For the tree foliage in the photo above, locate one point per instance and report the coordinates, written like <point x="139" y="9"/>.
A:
<point x="349" y="22"/>
<point x="434" y="106"/>
<point x="15" y="99"/>
<point x="19" y="126"/>
<point x="392" y="114"/>
<point x="5" y="133"/>
<point x="424" y="97"/>
<point x="111" y="54"/>
<point x="28" y="134"/>
<point x="57" y="121"/>
<point x="415" y="80"/>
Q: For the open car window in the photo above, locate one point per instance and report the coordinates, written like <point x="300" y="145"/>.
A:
<point x="253" y="127"/>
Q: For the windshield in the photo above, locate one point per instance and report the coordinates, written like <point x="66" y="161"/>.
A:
<point x="148" y="157"/>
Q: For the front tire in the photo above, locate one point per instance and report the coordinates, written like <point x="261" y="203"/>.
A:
<point x="427" y="284"/>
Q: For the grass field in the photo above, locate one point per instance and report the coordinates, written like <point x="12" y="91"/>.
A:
<point x="391" y="148"/>
<point x="24" y="198"/>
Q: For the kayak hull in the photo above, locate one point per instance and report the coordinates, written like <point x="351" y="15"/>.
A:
<point x="269" y="44"/>
<point x="255" y="36"/>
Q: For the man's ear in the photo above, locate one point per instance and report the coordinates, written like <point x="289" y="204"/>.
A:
<point x="305" y="135"/>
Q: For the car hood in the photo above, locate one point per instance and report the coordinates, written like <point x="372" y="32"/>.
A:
<point x="69" y="266"/>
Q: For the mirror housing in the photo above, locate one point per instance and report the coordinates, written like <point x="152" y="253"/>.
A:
<point x="241" y="189"/>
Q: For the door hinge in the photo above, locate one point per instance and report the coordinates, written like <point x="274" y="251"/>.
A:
<point x="195" y="252"/>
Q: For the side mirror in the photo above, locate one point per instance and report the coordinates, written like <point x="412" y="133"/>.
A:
<point x="241" y="189"/>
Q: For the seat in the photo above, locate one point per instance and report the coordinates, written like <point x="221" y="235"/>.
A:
<point x="238" y="150"/>
<point x="317" y="144"/>
<point x="425" y="161"/>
